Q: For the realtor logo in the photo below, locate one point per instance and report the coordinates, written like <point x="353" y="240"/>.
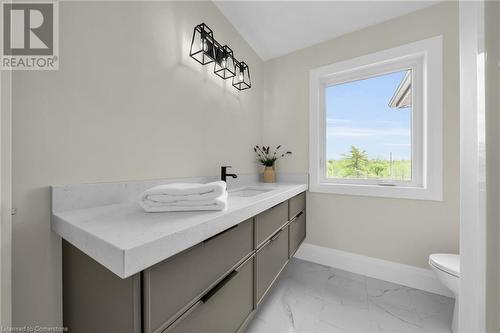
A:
<point x="29" y="35"/>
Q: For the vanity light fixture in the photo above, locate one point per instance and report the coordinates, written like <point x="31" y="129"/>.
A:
<point x="203" y="44"/>
<point x="205" y="50"/>
<point x="241" y="80"/>
<point x="224" y="62"/>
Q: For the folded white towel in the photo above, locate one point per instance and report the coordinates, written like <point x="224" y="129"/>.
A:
<point x="184" y="192"/>
<point x="219" y="203"/>
<point x="183" y="202"/>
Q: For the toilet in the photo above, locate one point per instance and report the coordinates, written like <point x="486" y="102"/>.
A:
<point x="447" y="268"/>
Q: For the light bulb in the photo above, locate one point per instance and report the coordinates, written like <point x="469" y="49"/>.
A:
<point x="241" y="77"/>
<point x="204" y="45"/>
<point x="224" y="63"/>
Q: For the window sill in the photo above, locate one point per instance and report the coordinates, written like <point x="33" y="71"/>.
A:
<point x="398" y="192"/>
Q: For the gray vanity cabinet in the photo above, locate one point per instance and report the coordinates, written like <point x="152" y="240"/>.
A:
<point x="269" y="221"/>
<point x="271" y="258"/>
<point x="170" y="286"/>
<point x="212" y="287"/>
<point x="297" y="230"/>
<point x="225" y="309"/>
<point x="95" y="299"/>
<point x="297" y="204"/>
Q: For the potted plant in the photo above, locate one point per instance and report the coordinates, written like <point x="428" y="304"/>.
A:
<point x="268" y="159"/>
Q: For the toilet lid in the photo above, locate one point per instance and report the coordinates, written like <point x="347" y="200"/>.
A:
<point x="449" y="263"/>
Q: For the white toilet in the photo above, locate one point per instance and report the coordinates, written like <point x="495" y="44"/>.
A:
<point x="447" y="268"/>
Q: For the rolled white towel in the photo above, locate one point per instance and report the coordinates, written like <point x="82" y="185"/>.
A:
<point x="169" y="193"/>
<point x="219" y="203"/>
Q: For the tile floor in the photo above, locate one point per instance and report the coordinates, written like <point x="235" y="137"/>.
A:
<point x="313" y="298"/>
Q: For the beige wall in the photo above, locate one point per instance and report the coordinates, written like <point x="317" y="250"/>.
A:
<point x="126" y="103"/>
<point x="492" y="44"/>
<point x="404" y="231"/>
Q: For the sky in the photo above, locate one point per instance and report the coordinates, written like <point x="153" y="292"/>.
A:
<point x="358" y="114"/>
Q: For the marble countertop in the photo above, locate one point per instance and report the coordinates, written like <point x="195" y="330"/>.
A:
<point x="126" y="240"/>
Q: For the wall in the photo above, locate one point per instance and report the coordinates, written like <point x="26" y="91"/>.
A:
<point x="492" y="45"/>
<point x="399" y="230"/>
<point x="127" y="103"/>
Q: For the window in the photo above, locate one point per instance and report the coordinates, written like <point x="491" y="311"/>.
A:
<point x="376" y="124"/>
<point x="368" y="128"/>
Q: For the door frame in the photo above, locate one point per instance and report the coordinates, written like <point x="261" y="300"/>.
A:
<point x="5" y="198"/>
<point x="472" y="294"/>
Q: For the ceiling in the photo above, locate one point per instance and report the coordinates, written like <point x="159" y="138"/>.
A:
<point x="276" y="28"/>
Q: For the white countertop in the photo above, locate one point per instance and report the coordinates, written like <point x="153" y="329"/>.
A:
<point x="126" y="240"/>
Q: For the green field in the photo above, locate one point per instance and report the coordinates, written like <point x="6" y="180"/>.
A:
<point x="357" y="165"/>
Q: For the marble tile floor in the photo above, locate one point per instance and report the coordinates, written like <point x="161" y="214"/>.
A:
<point x="313" y="298"/>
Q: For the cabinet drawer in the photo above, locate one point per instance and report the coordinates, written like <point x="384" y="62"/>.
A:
<point x="266" y="223"/>
<point x="270" y="260"/>
<point x="297" y="204"/>
<point x="172" y="285"/>
<point x="297" y="232"/>
<point x="224" y="308"/>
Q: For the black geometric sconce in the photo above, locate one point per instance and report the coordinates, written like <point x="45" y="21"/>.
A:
<point x="205" y="50"/>
<point x="241" y="80"/>
<point x="224" y="62"/>
<point x="203" y="45"/>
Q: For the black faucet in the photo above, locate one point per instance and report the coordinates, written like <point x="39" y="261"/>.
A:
<point x="224" y="174"/>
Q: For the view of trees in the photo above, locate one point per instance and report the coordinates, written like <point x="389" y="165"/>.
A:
<point x="356" y="164"/>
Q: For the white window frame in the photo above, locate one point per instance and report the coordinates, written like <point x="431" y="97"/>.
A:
<point x="424" y="58"/>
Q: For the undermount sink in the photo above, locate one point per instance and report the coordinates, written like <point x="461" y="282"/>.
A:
<point x="249" y="191"/>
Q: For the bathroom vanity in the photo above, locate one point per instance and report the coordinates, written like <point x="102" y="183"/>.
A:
<point x="212" y="269"/>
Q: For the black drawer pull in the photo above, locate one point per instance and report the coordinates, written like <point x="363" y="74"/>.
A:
<point x="296" y="217"/>
<point x="218" y="286"/>
<point x="220" y="233"/>
<point x="276" y="235"/>
<point x="275" y="205"/>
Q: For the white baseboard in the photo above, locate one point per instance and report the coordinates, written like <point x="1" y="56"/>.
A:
<point x="406" y="275"/>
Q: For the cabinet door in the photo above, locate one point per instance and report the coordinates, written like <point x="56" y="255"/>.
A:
<point x="224" y="308"/>
<point x="271" y="259"/>
<point x="297" y="205"/>
<point x="170" y="287"/>
<point x="266" y="223"/>
<point x="297" y="232"/>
